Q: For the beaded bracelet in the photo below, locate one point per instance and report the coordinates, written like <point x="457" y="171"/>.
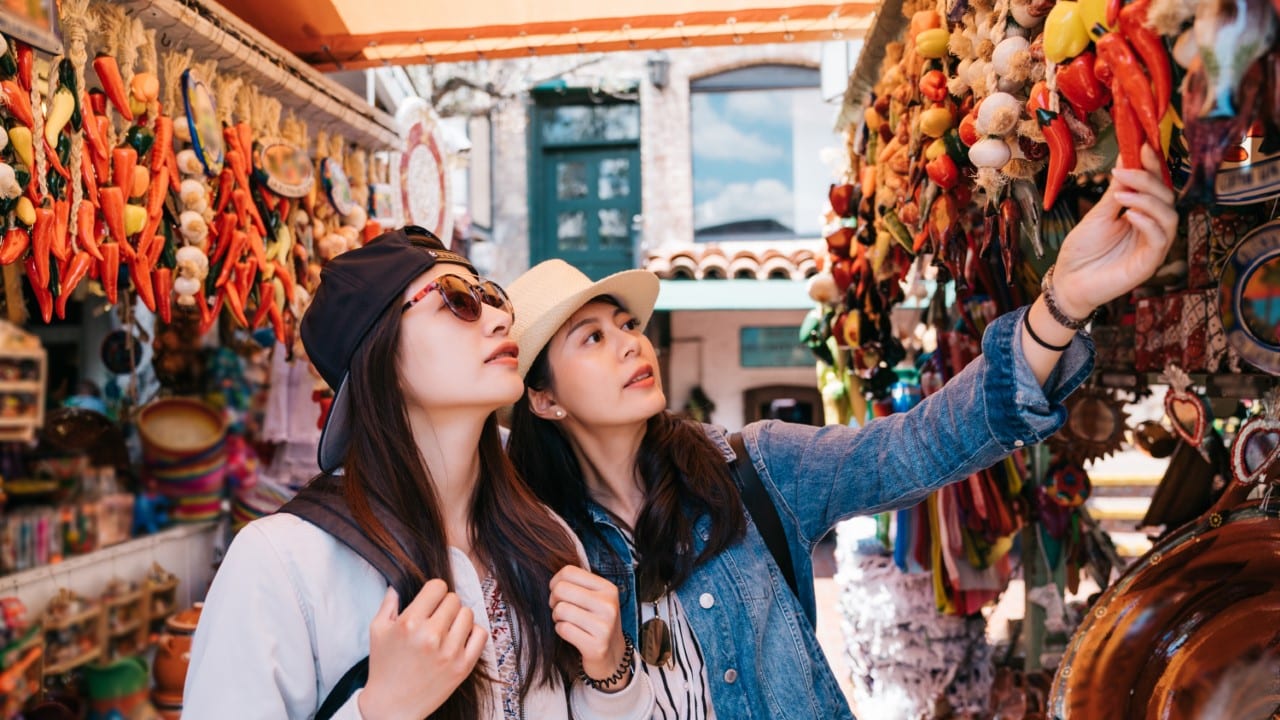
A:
<point x="628" y="654"/>
<point x="1066" y="321"/>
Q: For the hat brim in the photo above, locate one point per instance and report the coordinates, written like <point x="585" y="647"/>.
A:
<point x="337" y="429"/>
<point x="635" y="290"/>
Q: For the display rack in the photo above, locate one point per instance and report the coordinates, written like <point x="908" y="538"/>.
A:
<point x="23" y="379"/>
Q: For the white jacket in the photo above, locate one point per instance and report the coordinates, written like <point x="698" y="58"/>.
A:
<point x="288" y="614"/>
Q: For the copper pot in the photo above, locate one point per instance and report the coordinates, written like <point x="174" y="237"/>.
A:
<point x="1190" y="630"/>
<point x="173" y="652"/>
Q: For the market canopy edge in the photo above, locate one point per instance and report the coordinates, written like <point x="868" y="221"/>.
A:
<point x="353" y="34"/>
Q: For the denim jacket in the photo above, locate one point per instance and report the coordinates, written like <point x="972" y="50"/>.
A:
<point x="763" y="658"/>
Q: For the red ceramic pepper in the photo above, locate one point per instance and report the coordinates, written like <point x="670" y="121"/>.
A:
<point x="42" y="242"/>
<point x="76" y="270"/>
<point x="1080" y="87"/>
<point x="933" y="85"/>
<point x="1062" y="147"/>
<point x="113" y="84"/>
<point x="1131" y="81"/>
<point x="162" y="283"/>
<point x="942" y="170"/>
<point x="86" y="217"/>
<point x="140" y="272"/>
<point x="26" y="65"/>
<point x="1149" y="46"/>
<point x="44" y="296"/>
<point x="16" y="242"/>
<point x="110" y="271"/>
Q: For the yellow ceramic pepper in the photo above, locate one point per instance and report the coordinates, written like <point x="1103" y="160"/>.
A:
<point x="1064" y="32"/>
<point x="20" y="139"/>
<point x="1093" y="15"/>
<point x="60" y="109"/>
<point x="932" y="43"/>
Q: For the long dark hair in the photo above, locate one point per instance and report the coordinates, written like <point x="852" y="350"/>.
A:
<point x="510" y="529"/>
<point x="685" y="476"/>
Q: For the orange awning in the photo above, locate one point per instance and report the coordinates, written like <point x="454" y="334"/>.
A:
<point x="351" y="34"/>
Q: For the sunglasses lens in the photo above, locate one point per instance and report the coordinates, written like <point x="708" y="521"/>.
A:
<point x="493" y="296"/>
<point x="460" y="298"/>
<point x="655" y="642"/>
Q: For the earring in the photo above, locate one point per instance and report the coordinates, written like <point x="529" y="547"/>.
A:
<point x="560" y="413"/>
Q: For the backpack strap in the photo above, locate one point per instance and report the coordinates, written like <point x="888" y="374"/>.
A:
<point x="321" y="503"/>
<point x="762" y="510"/>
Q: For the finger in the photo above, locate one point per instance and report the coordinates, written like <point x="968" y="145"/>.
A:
<point x="428" y="599"/>
<point x="475" y="645"/>
<point x="460" y="631"/>
<point x="583" y="577"/>
<point x="1147" y="204"/>
<point x="442" y="619"/>
<point x="574" y="635"/>
<point x="390" y="606"/>
<point x="1144" y="180"/>
<point x="1150" y="230"/>
<point x="590" y="622"/>
<point x="596" y="601"/>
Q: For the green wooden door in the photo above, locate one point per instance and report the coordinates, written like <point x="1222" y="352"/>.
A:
<point x="590" y="198"/>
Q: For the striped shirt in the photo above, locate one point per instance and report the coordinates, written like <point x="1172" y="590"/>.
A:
<point x="680" y="688"/>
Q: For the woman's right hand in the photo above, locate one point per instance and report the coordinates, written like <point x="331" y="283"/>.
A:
<point x="418" y="657"/>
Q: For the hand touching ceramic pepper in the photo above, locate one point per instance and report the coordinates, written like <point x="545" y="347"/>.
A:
<point x="1120" y="242"/>
<point x="435" y="639"/>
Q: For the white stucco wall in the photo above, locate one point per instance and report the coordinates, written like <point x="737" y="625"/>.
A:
<point x="704" y="350"/>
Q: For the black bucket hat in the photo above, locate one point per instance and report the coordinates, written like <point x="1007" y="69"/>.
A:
<point x="356" y="287"/>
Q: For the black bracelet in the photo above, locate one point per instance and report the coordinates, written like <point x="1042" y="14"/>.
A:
<point x="1026" y="321"/>
<point x="624" y="667"/>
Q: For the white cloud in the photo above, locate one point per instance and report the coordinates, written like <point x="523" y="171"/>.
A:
<point x="703" y="187"/>
<point x="767" y="198"/>
<point x="773" y="108"/>
<point x="716" y="139"/>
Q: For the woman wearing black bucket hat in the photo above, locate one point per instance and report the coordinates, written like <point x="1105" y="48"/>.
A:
<point x="424" y="579"/>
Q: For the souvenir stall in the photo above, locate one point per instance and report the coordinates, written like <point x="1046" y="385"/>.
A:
<point x="165" y="168"/>
<point x="978" y="132"/>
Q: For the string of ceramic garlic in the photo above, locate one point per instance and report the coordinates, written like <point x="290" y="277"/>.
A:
<point x="77" y="23"/>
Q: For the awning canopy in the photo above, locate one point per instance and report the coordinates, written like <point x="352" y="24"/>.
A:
<point x="352" y="34"/>
<point x="687" y="295"/>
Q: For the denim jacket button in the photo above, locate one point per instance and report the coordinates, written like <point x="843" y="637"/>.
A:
<point x="731" y="676"/>
<point x="706" y="601"/>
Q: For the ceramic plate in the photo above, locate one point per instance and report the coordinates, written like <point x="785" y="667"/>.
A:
<point x="1250" y="298"/>
<point x="202" y="120"/>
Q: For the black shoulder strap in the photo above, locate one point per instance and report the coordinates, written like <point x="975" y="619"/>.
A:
<point x="762" y="510"/>
<point x="321" y="504"/>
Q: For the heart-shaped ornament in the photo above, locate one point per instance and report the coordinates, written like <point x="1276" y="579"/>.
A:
<point x="1187" y="415"/>
<point x="1256" y="448"/>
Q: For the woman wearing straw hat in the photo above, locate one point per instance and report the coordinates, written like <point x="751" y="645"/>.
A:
<point x="489" y="613"/>
<point x="653" y="499"/>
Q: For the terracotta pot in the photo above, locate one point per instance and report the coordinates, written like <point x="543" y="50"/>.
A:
<point x="1188" y="631"/>
<point x="173" y="652"/>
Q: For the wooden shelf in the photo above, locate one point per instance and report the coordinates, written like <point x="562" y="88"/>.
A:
<point x="78" y="618"/>
<point x="120" y="600"/>
<point x="27" y="386"/>
<point x="20" y="421"/>
<point x="74" y="663"/>
<point x="125" y="629"/>
<point x="1230" y="385"/>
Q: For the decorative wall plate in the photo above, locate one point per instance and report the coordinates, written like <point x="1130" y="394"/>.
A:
<point x="202" y="121"/>
<point x="336" y="186"/>
<point x="1094" y="428"/>
<point x="425" y="179"/>
<point x="283" y="167"/>
<point x="1250" y="298"/>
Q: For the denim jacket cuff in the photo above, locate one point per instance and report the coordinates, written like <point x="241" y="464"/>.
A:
<point x="1021" y="411"/>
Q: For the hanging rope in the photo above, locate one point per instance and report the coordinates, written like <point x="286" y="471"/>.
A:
<point x="174" y="63"/>
<point x="77" y="23"/>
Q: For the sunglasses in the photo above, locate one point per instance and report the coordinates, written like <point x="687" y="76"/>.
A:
<point x="464" y="298"/>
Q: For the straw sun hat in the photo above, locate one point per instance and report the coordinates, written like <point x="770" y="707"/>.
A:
<point x="551" y="291"/>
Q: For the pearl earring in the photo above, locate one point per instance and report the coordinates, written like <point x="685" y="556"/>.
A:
<point x="559" y="413"/>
